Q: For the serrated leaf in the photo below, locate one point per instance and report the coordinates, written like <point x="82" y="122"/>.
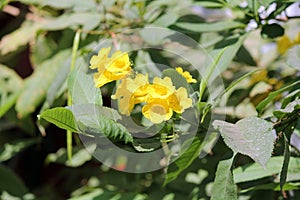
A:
<point x="184" y="160"/>
<point x="39" y="82"/>
<point x="88" y="21"/>
<point x="224" y="186"/>
<point x="254" y="171"/>
<point x="11" y="183"/>
<point x="293" y="57"/>
<point x="11" y="85"/>
<point x="82" y="89"/>
<point x="210" y="27"/>
<point x="97" y="120"/>
<point x="8" y="150"/>
<point x="272" y="95"/>
<point x="177" y="79"/>
<point x="61" y="117"/>
<point x="250" y="136"/>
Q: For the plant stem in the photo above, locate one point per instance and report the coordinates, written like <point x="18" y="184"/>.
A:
<point x="72" y="66"/>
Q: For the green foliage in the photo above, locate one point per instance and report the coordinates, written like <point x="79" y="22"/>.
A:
<point x="249" y="47"/>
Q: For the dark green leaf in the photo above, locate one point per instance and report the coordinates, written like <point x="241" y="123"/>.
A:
<point x="61" y="117"/>
<point x="11" y="183"/>
<point x="250" y="136"/>
<point x="286" y="160"/>
<point x="272" y="95"/>
<point x="272" y="30"/>
<point x="183" y="160"/>
<point x="146" y="144"/>
<point x="224" y="186"/>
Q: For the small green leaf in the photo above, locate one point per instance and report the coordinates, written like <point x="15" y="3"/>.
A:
<point x="272" y="95"/>
<point x="224" y="186"/>
<point x="61" y="117"/>
<point x="177" y="79"/>
<point x="210" y="27"/>
<point x="11" y="183"/>
<point x="250" y="136"/>
<point x="293" y="57"/>
<point x="286" y="160"/>
<point x="183" y="160"/>
<point x="146" y="144"/>
<point x="167" y="19"/>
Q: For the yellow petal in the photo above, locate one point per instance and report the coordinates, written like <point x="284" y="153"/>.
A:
<point x="283" y="44"/>
<point x="98" y="61"/>
<point x="157" y="111"/>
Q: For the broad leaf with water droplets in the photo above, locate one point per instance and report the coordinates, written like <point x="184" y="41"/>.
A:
<point x="250" y="136"/>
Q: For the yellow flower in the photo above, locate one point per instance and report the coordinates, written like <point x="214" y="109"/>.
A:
<point x="131" y="92"/>
<point x="186" y="75"/>
<point x="110" y="69"/>
<point x="157" y="110"/>
<point x="161" y="98"/>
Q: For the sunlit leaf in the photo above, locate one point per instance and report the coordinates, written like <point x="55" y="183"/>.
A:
<point x="11" y="85"/>
<point x="61" y="117"/>
<point x="250" y="136"/>
<point x="210" y="27"/>
<point x="37" y="85"/>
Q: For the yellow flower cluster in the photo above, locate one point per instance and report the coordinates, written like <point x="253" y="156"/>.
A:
<point x="160" y="98"/>
<point x="284" y="43"/>
<point x="110" y="69"/>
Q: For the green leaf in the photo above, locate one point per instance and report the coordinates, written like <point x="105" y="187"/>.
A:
<point x="184" y="160"/>
<point x="210" y="27"/>
<point x="224" y="186"/>
<point x="167" y="19"/>
<point x="286" y="160"/>
<point x="11" y="85"/>
<point x="177" y="79"/>
<point x="273" y="186"/>
<point x="272" y="96"/>
<point x="82" y="89"/>
<point x="8" y="150"/>
<point x="293" y="57"/>
<point x="208" y="4"/>
<point x="38" y="83"/>
<point x="88" y="21"/>
<point x="11" y="183"/>
<point x="97" y="120"/>
<point x="61" y="117"/>
<point x="292" y="106"/>
<point x="254" y="171"/>
<point x="251" y="136"/>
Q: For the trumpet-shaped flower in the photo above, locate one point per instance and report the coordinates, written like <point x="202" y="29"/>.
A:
<point x="161" y="98"/>
<point x="186" y="75"/>
<point x="110" y="69"/>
